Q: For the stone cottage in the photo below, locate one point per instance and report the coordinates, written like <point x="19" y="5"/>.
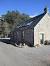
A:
<point x="35" y="30"/>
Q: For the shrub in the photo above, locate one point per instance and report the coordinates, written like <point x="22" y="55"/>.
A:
<point x="47" y="42"/>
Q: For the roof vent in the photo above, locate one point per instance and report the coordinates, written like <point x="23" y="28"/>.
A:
<point x="45" y="10"/>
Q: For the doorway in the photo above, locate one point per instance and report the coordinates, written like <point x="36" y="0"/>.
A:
<point x="41" y="38"/>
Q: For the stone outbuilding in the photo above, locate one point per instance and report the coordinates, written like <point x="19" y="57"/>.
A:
<point x="35" y="30"/>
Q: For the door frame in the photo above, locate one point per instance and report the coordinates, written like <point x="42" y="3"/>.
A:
<point x="42" y="37"/>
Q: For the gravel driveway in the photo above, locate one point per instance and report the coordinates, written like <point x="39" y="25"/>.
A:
<point x="14" y="56"/>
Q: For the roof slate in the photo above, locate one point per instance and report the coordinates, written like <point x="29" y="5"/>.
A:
<point x="32" y="22"/>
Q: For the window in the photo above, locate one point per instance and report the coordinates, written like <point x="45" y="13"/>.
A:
<point x="29" y="23"/>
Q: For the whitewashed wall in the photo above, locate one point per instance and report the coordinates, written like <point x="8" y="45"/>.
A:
<point x="42" y="27"/>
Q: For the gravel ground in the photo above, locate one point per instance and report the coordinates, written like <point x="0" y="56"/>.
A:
<point x="26" y="56"/>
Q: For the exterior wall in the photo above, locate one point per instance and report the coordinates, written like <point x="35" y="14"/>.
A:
<point x="42" y="27"/>
<point x="18" y="35"/>
<point x="15" y="36"/>
<point x="28" y="36"/>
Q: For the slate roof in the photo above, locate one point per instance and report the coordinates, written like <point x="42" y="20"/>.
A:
<point x="32" y="22"/>
<point x="36" y="19"/>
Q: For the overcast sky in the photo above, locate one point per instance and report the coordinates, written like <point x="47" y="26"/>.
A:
<point x="30" y="7"/>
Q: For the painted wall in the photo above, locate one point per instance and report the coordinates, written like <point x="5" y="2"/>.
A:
<point x="42" y="27"/>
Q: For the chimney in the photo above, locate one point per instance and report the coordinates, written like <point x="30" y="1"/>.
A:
<point x="45" y="10"/>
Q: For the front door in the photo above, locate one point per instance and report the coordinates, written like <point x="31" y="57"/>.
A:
<point x="41" y="38"/>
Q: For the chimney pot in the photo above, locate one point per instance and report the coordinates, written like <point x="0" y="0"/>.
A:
<point x="45" y="10"/>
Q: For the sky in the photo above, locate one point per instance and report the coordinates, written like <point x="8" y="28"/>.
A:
<point x="29" y="7"/>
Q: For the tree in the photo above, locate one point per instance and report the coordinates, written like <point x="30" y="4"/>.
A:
<point x="14" y="18"/>
<point x="10" y="20"/>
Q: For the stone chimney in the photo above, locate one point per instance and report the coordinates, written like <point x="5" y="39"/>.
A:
<point x="45" y="10"/>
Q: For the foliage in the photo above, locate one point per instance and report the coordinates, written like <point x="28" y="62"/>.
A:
<point x="11" y="19"/>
